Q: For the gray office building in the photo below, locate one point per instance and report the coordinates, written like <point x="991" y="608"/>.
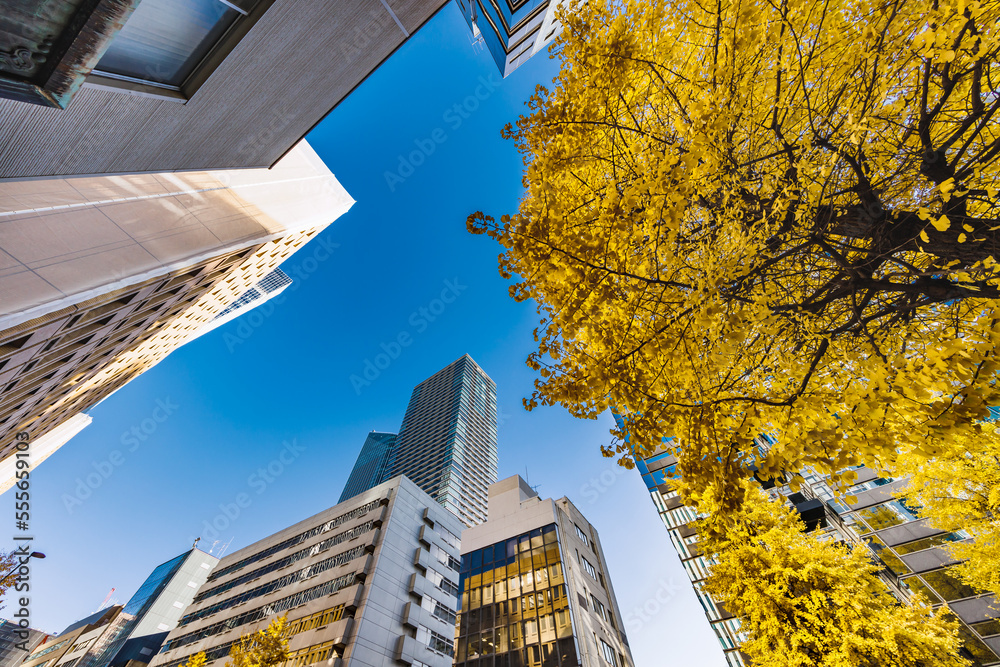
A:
<point x="370" y="582"/>
<point x="17" y="642"/>
<point x="370" y="468"/>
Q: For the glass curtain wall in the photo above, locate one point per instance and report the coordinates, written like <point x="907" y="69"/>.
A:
<point x="514" y="611"/>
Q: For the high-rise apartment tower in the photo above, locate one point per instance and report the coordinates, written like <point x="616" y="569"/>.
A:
<point x="447" y="443"/>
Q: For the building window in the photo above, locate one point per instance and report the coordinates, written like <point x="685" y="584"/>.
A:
<point x="515" y="606"/>
<point x="590" y="568"/>
<point x="608" y="653"/>
<point x="435" y="641"/>
<point x="163" y="41"/>
<point x="582" y="535"/>
<point x="602" y="611"/>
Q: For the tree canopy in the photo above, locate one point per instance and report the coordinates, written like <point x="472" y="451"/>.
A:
<point x="806" y="602"/>
<point x="765" y="216"/>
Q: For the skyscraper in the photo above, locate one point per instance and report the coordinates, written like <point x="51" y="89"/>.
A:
<point x="535" y="587"/>
<point x="513" y="32"/>
<point x="447" y="443"/>
<point x="369" y="469"/>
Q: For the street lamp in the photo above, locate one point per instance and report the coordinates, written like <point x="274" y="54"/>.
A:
<point x="33" y="554"/>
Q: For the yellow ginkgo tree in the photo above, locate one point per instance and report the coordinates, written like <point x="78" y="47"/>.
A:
<point x="805" y="602"/>
<point x="779" y="216"/>
<point x="962" y="491"/>
<point x="267" y="647"/>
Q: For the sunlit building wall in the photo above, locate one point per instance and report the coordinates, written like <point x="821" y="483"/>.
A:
<point x="128" y="268"/>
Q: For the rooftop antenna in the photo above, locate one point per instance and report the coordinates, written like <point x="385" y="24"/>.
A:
<point x="528" y="481"/>
<point x="225" y="547"/>
<point x="196" y="541"/>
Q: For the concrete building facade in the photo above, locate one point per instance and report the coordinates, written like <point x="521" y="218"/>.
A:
<point x="535" y="587"/>
<point x="370" y="582"/>
<point x="238" y="84"/>
<point x="103" y="286"/>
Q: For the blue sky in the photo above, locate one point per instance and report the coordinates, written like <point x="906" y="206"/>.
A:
<point x="279" y="379"/>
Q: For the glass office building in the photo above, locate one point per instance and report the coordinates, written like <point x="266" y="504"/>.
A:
<point x="154" y="610"/>
<point x="512" y="31"/>
<point x="369" y="469"/>
<point x="515" y="610"/>
<point x="535" y="589"/>
<point x="906" y="548"/>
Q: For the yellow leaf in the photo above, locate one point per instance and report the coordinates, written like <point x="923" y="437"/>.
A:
<point x="968" y="228"/>
<point x="941" y="224"/>
<point x="961" y="237"/>
<point x="924" y="237"/>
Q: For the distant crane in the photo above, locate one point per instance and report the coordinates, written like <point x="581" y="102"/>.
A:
<point x="104" y="605"/>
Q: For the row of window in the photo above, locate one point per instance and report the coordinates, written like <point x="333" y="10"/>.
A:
<point x="506" y="552"/>
<point x="442" y="582"/>
<point x="310" y="655"/>
<point x="516" y="611"/>
<point x="294" y="600"/>
<point x="514" y="636"/>
<point x="277" y="584"/>
<point x="608" y="653"/>
<point x="311" y="622"/>
<point x="296" y="539"/>
<point x="326" y="544"/>
<point x="560" y="653"/>
<point x="603" y="611"/>
<point x="435" y="641"/>
<point x="445" y="558"/>
<point x="317" y="620"/>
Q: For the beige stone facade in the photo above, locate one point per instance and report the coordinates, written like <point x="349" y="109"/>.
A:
<point x="104" y="277"/>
